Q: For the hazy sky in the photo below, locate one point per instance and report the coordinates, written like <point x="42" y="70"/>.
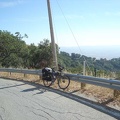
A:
<point x="92" y="22"/>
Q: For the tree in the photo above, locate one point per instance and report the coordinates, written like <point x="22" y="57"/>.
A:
<point x="45" y="52"/>
<point x="40" y="53"/>
<point x="19" y="36"/>
<point x="12" y="50"/>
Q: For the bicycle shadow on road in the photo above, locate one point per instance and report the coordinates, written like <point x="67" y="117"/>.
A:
<point x="98" y="106"/>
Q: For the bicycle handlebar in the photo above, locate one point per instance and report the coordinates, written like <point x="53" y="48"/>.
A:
<point x="60" y="68"/>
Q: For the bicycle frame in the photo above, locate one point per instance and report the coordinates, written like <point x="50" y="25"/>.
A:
<point x="62" y="79"/>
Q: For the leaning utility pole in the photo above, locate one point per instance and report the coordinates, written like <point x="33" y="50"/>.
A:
<point x="52" y="36"/>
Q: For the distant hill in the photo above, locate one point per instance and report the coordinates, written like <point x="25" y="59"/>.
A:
<point x="98" y="52"/>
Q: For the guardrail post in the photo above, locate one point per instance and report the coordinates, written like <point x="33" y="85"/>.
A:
<point x="25" y="75"/>
<point x="84" y="73"/>
<point x="10" y="73"/>
<point x="116" y="93"/>
<point x="40" y="77"/>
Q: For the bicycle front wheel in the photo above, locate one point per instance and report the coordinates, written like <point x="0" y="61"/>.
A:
<point x="63" y="81"/>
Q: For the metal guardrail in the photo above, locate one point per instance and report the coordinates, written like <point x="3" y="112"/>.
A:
<point x="108" y="83"/>
<point x="24" y="71"/>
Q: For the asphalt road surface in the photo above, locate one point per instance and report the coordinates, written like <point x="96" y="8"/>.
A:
<point x="20" y="100"/>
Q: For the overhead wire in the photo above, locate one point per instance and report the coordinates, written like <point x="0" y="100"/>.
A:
<point x="72" y="33"/>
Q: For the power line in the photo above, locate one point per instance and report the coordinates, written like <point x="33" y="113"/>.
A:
<point x="72" y="34"/>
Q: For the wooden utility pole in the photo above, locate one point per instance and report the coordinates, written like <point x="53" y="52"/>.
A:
<point x="55" y="63"/>
<point x="84" y="73"/>
<point x="84" y="68"/>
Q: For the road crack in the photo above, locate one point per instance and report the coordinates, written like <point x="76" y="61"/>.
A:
<point x="2" y="112"/>
<point x="1" y="117"/>
<point x="39" y="115"/>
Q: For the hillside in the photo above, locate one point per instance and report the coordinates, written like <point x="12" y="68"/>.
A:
<point x="14" y="52"/>
<point x="111" y="51"/>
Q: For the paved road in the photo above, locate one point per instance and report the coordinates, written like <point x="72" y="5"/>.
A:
<point x="21" y="100"/>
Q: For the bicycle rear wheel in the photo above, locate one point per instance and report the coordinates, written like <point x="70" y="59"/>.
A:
<point x="63" y="82"/>
<point x="48" y="83"/>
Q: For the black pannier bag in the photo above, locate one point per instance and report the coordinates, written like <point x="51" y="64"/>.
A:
<point x="46" y="74"/>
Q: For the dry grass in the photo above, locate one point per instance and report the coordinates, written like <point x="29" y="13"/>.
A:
<point x="102" y="95"/>
<point x="20" y="76"/>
